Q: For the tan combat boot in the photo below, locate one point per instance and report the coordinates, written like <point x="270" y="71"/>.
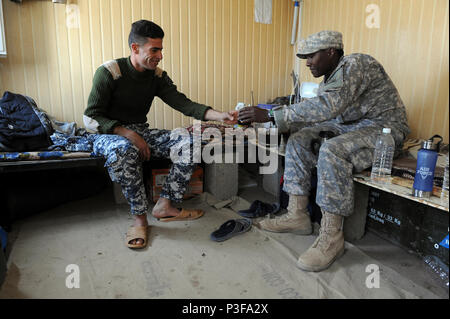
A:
<point x="296" y="220"/>
<point x="328" y="246"/>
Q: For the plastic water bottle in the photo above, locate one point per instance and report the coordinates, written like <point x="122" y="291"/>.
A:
<point x="383" y="156"/>
<point x="444" y="193"/>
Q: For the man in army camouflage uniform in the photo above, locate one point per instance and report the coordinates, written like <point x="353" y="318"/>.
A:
<point x="355" y="100"/>
<point x="121" y="96"/>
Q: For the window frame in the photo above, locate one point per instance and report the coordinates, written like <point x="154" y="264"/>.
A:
<point x="3" y="51"/>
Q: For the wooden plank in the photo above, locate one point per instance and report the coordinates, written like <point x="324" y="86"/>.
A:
<point x="106" y="30"/>
<point x="228" y="49"/>
<point x="409" y="183"/>
<point x="79" y="101"/>
<point x="400" y="190"/>
<point x="40" y="56"/>
<point x="166" y="24"/>
<point x="118" y="41"/>
<point x="13" y="34"/>
<point x="28" y="52"/>
<point x="188" y="47"/>
<point x="87" y="69"/>
<point x="177" y="68"/>
<point x="63" y="67"/>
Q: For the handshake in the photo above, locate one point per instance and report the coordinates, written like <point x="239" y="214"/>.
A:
<point x="248" y="115"/>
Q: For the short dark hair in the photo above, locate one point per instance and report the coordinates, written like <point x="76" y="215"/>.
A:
<point x="143" y="29"/>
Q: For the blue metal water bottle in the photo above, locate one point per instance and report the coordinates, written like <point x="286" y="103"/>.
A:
<point x="426" y="163"/>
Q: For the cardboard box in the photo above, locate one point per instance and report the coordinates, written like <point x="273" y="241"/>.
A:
<point x="158" y="177"/>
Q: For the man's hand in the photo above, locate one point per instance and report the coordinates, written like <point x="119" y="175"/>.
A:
<point x="251" y="114"/>
<point x="234" y="118"/>
<point x="136" y="139"/>
<point x="226" y="117"/>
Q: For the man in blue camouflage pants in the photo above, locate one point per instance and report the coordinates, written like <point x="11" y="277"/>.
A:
<point x="121" y="96"/>
<point x="355" y="101"/>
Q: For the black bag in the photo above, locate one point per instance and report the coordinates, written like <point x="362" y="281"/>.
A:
<point x="2" y="264"/>
<point x="23" y="127"/>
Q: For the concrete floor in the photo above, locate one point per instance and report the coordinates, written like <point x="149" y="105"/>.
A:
<point x="402" y="262"/>
<point x="405" y="262"/>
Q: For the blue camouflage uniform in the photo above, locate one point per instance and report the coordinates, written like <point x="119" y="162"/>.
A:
<point x="125" y="167"/>
<point x="122" y="96"/>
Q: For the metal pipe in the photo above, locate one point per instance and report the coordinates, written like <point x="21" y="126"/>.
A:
<point x="294" y="24"/>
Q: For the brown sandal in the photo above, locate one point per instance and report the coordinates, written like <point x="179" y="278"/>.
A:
<point x="184" y="215"/>
<point x="137" y="232"/>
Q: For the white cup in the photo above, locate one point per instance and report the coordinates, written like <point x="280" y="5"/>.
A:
<point x="239" y="106"/>
<point x="308" y="89"/>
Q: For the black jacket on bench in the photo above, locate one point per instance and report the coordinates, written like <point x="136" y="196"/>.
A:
<point x="22" y="125"/>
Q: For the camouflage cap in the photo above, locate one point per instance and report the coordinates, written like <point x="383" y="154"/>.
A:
<point x="319" y="41"/>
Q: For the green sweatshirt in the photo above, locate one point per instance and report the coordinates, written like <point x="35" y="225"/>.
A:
<point x="121" y="95"/>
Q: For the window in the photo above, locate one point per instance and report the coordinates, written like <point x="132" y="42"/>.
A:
<point x="2" y="32"/>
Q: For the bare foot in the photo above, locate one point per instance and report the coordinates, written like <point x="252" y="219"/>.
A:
<point x="140" y="220"/>
<point x="164" y="208"/>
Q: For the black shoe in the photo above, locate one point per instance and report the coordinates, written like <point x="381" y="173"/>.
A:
<point x="259" y="209"/>
<point x="231" y="228"/>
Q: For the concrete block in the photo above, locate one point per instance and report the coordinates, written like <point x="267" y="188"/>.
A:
<point x="355" y="224"/>
<point x="2" y="265"/>
<point x="221" y="180"/>
<point x="271" y="182"/>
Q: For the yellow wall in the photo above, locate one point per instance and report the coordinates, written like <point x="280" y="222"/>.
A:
<point x="213" y="51"/>
<point x="217" y="54"/>
<point x="411" y="43"/>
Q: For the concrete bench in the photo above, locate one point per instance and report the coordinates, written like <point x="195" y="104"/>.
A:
<point x="30" y="186"/>
<point x="354" y="225"/>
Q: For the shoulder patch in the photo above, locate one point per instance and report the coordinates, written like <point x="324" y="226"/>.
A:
<point x="90" y="124"/>
<point x="159" y="72"/>
<point x="113" y="67"/>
